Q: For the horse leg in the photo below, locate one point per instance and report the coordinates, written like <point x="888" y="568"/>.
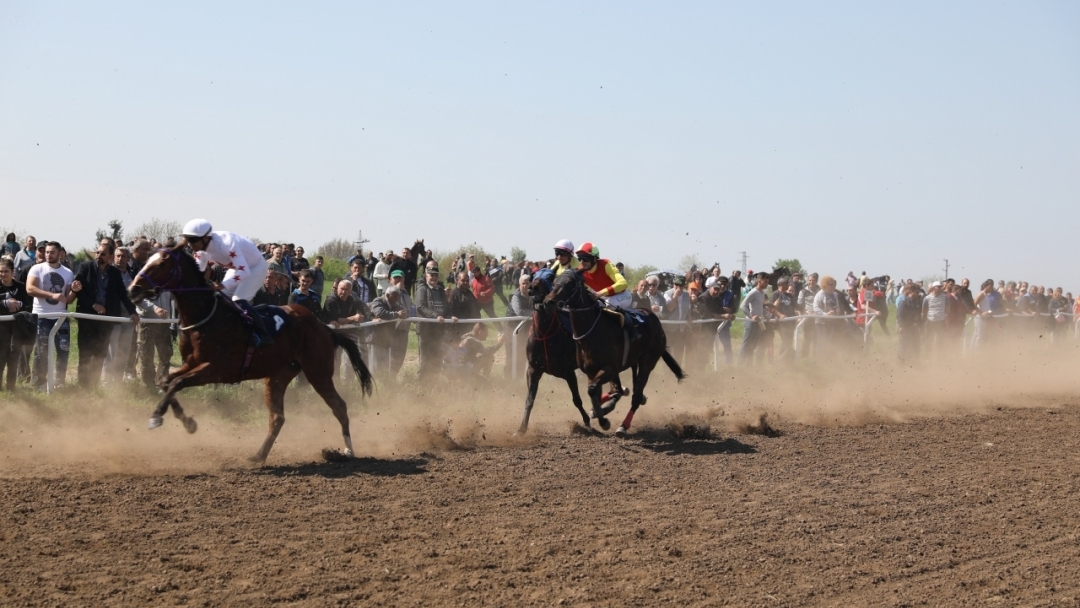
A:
<point x="176" y="381"/>
<point x="571" y="381"/>
<point x="533" y="377"/>
<point x="612" y="399"/>
<point x="641" y="378"/>
<point x="275" y="402"/>
<point x="325" y="388"/>
<point x="595" y="386"/>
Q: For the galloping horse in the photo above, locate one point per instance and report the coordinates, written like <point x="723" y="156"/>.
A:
<point x="602" y="348"/>
<point x="214" y="347"/>
<point x="550" y="350"/>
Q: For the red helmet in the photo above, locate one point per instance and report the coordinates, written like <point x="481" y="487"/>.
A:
<point x="588" y="249"/>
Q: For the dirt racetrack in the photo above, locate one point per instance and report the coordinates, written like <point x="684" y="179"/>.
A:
<point x="969" y="498"/>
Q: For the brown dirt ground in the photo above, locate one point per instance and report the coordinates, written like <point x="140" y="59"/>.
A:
<point x="953" y="501"/>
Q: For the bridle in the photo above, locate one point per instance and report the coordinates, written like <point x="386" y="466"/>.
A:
<point x="576" y="294"/>
<point x="172" y="280"/>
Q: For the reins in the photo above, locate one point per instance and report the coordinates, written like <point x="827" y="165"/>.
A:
<point x="203" y="322"/>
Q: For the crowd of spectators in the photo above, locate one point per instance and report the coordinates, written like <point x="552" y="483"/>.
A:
<point x="700" y="307"/>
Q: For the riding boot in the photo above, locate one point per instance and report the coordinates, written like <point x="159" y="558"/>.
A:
<point x="262" y="336"/>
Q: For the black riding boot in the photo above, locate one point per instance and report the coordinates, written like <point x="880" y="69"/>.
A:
<point x="261" y="334"/>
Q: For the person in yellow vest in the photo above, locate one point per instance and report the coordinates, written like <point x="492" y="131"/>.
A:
<point x="602" y="277"/>
<point x="564" y="257"/>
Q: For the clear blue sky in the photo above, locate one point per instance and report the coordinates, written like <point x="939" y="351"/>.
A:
<point x="854" y="136"/>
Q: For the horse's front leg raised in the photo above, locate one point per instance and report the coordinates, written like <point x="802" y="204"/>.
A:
<point x="596" y="385"/>
<point x="176" y="381"/>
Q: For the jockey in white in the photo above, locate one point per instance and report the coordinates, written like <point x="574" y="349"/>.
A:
<point x="246" y="267"/>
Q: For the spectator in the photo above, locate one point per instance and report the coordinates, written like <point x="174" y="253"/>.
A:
<point x="120" y="359"/>
<point x="271" y="293"/>
<point x="297" y="263"/>
<point x="319" y="280"/>
<point x="154" y="339"/>
<point x="804" y="304"/>
<point x="908" y="315"/>
<point x="639" y="297"/>
<point x="381" y="274"/>
<point x="13" y="299"/>
<point x="276" y="263"/>
<point x="474" y="355"/>
<point x="656" y="299"/>
<point x="49" y="283"/>
<point x="826" y="304"/>
<point x="359" y="256"/>
<point x="363" y="287"/>
<point x="431" y="303"/>
<point x="782" y="306"/>
<point x="483" y="289"/>
<point x="10" y="246"/>
<point x="1060" y="314"/>
<point x="754" y="309"/>
<point x="718" y="302"/>
<point x="677" y="307"/>
<point x="341" y="309"/>
<point x="100" y="291"/>
<point x="303" y="296"/>
<point x="140" y="253"/>
<point x="935" y="308"/>
<point x="461" y="300"/>
<point x="406" y="265"/>
<point x="400" y="342"/>
<point x="520" y="302"/>
<point x="25" y="257"/>
<point x="390" y="308"/>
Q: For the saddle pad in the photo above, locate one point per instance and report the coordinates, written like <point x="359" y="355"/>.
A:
<point x="273" y="317"/>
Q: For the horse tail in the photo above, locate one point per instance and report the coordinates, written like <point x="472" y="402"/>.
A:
<point x="673" y="365"/>
<point x="350" y="347"/>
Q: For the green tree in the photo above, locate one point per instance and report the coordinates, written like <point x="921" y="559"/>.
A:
<point x="633" y="274"/>
<point x="158" y="229"/>
<point x="337" y="249"/>
<point x="517" y="254"/>
<point x="447" y="261"/>
<point x="115" y="232"/>
<point x="793" y="264"/>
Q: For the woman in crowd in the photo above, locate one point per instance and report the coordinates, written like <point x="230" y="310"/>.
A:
<point x="13" y="299"/>
<point x="11" y="246"/>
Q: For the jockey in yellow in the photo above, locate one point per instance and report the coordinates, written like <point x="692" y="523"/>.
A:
<point x="602" y="277"/>
<point x="564" y="257"/>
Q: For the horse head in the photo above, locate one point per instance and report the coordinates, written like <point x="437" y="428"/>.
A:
<point x="569" y="290"/>
<point x="777" y="274"/>
<point x="164" y="271"/>
<point x="541" y="286"/>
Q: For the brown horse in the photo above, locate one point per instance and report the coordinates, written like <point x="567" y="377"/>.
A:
<point x="214" y="346"/>
<point x="603" y="349"/>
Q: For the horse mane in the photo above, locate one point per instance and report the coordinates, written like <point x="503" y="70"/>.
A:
<point x="189" y="265"/>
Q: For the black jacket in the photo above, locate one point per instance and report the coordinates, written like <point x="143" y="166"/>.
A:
<point x="116" y="297"/>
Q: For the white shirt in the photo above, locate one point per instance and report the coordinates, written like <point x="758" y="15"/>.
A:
<point x="54" y="280"/>
<point x="231" y="251"/>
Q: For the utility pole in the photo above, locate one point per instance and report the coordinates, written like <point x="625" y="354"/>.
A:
<point x="742" y="258"/>
<point x="946" y="269"/>
<point x="360" y="240"/>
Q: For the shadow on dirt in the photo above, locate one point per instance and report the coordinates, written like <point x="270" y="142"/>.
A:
<point x="347" y="468"/>
<point x="662" y="442"/>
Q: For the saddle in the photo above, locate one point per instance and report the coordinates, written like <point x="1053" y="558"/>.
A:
<point x="628" y="319"/>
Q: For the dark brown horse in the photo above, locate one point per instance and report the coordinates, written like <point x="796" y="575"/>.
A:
<point x="602" y="349"/>
<point x="214" y="347"/>
<point x="550" y="349"/>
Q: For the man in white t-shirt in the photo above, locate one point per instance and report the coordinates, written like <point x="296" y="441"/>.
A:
<point x="754" y="309"/>
<point x="51" y="286"/>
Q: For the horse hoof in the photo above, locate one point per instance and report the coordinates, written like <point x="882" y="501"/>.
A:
<point x="520" y="432"/>
<point x="190" y="425"/>
<point x="256" y="459"/>
<point x="347" y="453"/>
<point x="621" y="432"/>
<point x="604" y="423"/>
<point x="154" y="423"/>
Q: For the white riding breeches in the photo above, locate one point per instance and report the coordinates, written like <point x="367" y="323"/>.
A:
<point x="244" y="284"/>
<point x="621" y="300"/>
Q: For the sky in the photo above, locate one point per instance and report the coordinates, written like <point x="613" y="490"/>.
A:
<point x="884" y="137"/>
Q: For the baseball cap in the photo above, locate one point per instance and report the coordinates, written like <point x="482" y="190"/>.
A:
<point x="679" y="280"/>
<point x="710" y="282"/>
<point x="397" y="274"/>
<point x="936" y="284"/>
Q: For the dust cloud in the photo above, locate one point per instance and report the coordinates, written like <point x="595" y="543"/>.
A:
<point x="104" y="432"/>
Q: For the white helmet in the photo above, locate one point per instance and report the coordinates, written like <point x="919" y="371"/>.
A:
<point x="565" y="245"/>
<point x="197" y="228"/>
